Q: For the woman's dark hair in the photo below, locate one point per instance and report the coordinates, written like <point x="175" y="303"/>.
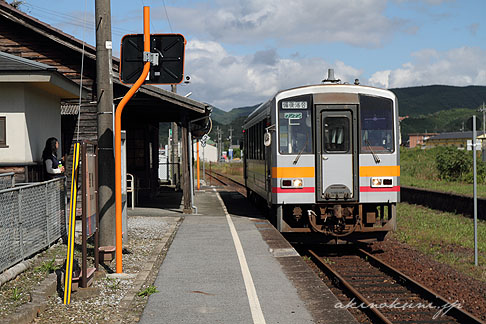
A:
<point x="50" y="148"/>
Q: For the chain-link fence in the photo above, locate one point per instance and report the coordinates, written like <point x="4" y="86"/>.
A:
<point x="31" y="218"/>
<point x="7" y="180"/>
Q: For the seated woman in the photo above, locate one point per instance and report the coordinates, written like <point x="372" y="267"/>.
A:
<point x="52" y="166"/>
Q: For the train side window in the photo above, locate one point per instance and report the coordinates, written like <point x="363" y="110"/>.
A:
<point x="336" y="134"/>
<point x="252" y="143"/>
<point x="257" y="142"/>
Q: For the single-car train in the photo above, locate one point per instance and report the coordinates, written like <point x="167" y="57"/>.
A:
<point x="325" y="158"/>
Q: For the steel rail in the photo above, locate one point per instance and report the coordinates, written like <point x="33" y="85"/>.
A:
<point x="218" y="178"/>
<point x="226" y="177"/>
<point x="428" y="294"/>
<point x="370" y="311"/>
<point x="404" y="280"/>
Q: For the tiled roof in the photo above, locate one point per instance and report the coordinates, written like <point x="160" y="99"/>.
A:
<point x="452" y="135"/>
<point x="69" y="109"/>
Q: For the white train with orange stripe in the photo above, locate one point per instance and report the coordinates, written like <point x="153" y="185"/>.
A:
<point x="325" y="158"/>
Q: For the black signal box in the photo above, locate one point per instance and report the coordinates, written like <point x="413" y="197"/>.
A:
<point x="167" y="68"/>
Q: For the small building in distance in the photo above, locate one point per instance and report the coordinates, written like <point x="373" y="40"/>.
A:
<point x="419" y="139"/>
<point x="458" y="139"/>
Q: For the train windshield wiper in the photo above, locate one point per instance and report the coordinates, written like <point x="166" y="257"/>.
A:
<point x="301" y="151"/>
<point x="375" y="157"/>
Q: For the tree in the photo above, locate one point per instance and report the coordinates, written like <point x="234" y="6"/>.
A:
<point x="17" y="3"/>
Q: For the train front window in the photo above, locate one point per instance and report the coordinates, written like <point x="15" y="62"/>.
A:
<point x="295" y="131"/>
<point x="376" y="117"/>
<point x="336" y="134"/>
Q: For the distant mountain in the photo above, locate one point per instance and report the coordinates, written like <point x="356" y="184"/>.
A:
<point x="227" y="117"/>
<point x="416" y="101"/>
<point x="452" y="120"/>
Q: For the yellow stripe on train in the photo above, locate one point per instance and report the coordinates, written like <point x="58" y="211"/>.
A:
<point x="379" y="171"/>
<point x="293" y="172"/>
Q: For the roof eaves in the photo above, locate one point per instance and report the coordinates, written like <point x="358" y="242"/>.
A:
<point x="24" y="64"/>
<point x="48" y="31"/>
<point x="168" y="96"/>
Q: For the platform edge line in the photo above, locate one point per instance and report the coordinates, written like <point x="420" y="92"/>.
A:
<point x="255" y="307"/>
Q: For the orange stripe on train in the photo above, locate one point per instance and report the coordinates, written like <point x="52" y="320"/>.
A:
<point x="293" y="172"/>
<point x="379" y="171"/>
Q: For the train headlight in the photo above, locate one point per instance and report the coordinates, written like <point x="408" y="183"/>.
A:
<point x="292" y="183"/>
<point x="381" y="182"/>
<point x="298" y="183"/>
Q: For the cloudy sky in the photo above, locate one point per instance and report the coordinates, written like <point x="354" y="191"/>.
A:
<point x="240" y="52"/>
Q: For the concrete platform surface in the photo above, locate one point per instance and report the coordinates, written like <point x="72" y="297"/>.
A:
<point x="228" y="265"/>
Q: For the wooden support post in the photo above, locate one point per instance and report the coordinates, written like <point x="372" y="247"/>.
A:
<point x="185" y="167"/>
<point x="198" y="180"/>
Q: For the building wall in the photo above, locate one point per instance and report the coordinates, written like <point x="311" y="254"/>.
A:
<point x="32" y="116"/>
<point x="458" y="142"/>
<point x="43" y="119"/>
<point x="210" y="153"/>
<point x="12" y="106"/>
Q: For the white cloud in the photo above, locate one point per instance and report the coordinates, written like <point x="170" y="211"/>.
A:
<point x="357" y="22"/>
<point x="380" y="79"/>
<point x="460" y="66"/>
<point x="228" y="81"/>
<point x="429" y="2"/>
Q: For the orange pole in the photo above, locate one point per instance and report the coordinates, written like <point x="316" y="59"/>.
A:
<point x="198" y="184"/>
<point x="119" y="110"/>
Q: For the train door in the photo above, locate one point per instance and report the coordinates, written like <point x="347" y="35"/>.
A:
<point x="336" y="153"/>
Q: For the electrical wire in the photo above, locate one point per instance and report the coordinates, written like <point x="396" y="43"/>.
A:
<point x="81" y="74"/>
<point x="60" y="18"/>
<point x="167" y="15"/>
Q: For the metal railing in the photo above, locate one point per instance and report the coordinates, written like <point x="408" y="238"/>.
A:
<point x="7" y="180"/>
<point x="31" y="218"/>
<point x="131" y="188"/>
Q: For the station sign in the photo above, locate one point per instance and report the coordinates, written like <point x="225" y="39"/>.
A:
<point x="167" y="58"/>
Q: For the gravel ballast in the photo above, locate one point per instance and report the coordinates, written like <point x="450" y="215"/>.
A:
<point x="111" y="298"/>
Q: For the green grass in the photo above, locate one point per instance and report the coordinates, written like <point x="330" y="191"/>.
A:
<point x="233" y="169"/>
<point x="48" y="266"/>
<point x="446" y="237"/>
<point x="418" y="169"/>
<point x="442" y="185"/>
<point x="113" y="283"/>
<point x="16" y="294"/>
<point x="148" y="291"/>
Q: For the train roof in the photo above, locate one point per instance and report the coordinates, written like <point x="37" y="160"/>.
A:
<point x="340" y="87"/>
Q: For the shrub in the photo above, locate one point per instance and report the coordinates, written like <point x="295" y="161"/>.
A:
<point x="452" y="163"/>
<point x="481" y="173"/>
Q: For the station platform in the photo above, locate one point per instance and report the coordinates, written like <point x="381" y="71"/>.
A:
<point x="227" y="264"/>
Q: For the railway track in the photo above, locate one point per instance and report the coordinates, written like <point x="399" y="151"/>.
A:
<point x="385" y="294"/>
<point x="227" y="181"/>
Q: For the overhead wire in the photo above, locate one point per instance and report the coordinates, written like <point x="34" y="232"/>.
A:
<point x="81" y="74"/>
<point x="167" y="15"/>
<point x="60" y="18"/>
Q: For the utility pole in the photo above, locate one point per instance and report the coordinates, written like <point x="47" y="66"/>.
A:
<point x="475" y="195"/>
<point x="483" y="140"/>
<point x="175" y="149"/>
<point x="231" y="136"/>
<point x="104" y="95"/>
<point x="218" y="131"/>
